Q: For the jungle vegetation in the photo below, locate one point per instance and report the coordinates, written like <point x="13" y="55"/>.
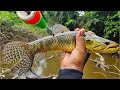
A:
<point x="104" y="23"/>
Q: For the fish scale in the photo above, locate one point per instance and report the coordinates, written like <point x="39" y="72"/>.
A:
<point x="20" y="55"/>
<point x="58" y="28"/>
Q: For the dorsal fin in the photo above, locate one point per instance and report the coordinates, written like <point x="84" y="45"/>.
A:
<point x="58" y="28"/>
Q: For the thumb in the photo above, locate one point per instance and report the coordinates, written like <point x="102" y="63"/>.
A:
<point x="80" y="43"/>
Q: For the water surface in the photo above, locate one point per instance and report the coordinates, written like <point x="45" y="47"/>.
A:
<point x="52" y="66"/>
<point x="91" y="71"/>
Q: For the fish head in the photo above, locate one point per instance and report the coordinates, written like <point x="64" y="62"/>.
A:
<point x="98" y="44"/>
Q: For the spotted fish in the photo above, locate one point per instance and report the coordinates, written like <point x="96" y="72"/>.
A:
<point x="19" y="55"/>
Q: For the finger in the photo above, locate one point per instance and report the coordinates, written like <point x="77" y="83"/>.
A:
<point x="80" y="44"/>
<point x="77" y="29"/>
<point x="67" y="54"/>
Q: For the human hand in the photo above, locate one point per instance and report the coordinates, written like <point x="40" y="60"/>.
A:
<point x="75" y="59"/>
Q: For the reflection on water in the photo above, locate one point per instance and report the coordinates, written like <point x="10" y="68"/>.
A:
<point x="90" y="70"/>
<point x="52" y="66"/>
<point x="93" y="72"/>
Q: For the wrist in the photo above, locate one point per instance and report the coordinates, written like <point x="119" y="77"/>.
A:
<point x="79" y="68"/>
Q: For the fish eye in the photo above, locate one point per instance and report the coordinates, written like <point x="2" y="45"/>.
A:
<point x="88" y="40"/>
<point x="107" y="43"/>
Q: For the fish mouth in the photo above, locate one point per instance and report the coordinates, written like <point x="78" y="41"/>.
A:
<point x="113" y="48"/>
<point x="113" y="45"/>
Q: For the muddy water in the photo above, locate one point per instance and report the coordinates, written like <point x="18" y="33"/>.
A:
<point x="52" y="66"/>
<point x="91" y="71"/>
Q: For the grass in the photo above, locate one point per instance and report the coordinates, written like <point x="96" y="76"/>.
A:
<point x="12" y="20"/>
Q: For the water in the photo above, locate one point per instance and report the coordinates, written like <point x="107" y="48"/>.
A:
<point x="90" y="69"/>
<point x="93" y="72"/>
<point x="52" y="66"/>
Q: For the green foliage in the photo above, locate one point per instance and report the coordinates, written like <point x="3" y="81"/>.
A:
<point x="104" y="23"/>
<point x="112" y="28"/>
<point x="12" y="20"/>
<point x="12" y="28"/>
<point x="70" y="19"/>
<point x="9" y="18"/>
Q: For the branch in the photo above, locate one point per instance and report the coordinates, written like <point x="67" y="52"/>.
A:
<point x="114" y="73"/>
<point x="115" y="67"/>
<point x="101" y="74"/>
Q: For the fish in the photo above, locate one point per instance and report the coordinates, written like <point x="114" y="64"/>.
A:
<point x="67" y="41"/>
<point x="19" y="55"/>
<point x="58" y="28"/>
